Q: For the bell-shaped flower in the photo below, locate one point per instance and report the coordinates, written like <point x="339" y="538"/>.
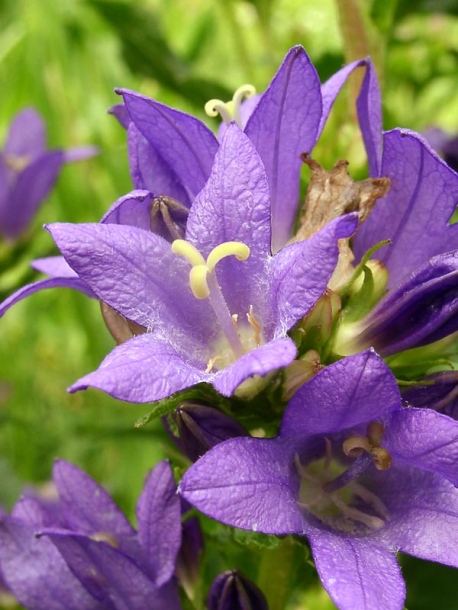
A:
<point x="361" y="477"/>
<point x="28" y="171"/>
<point x="79" y="552"/>
<point x="217" y="305"/>
<point x="421" y="305"/>
<point x="233" y="591"/>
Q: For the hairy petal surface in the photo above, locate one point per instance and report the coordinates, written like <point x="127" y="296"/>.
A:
<point x="235" y="206"/>
<point x="142" y="370"/>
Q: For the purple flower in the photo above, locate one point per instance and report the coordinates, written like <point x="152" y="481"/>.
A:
<point x="218" y="305"/>
<point x="171" y="154"/>
<point x="421" y="305"/>
<point x="28" y="171"/>
<point x="438" y="391"/>
<point x="80" y="552"/>
<point x="360" y="476"/>
<point x="233" y="591"/>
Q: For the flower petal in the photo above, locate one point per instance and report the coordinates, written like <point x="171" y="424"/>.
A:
<point x="26" y="135"/>
<point x="424" y="192"/>
<point x="282" y="126"/>
<point x="260" y="361"/>
<point x="36" y="573"/>
<point x="132" y="209"/>
<point x="352" y="391"/>
<point x="142" y="370"/>
<point x="235" y="206"/>
<point x="425" y="439"/>
<point x="301" y="272"/>
<point x="137" y="274"/>
<point x="185" y="144"/>
<point x="246" y="483"/>
<point x="86" y="506"/>
<point x="421" y="309"/>
<point x="357" y="573"/>
<point x="369" y="108"/>
<point x="159" y="522"/>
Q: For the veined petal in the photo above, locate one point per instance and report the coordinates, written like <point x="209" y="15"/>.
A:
<point x="424" y="194"/>
<point x="423" y="514"/>
<point x="142" y="370"/>
<point x="425" y="439"/>
<point x="358" y="573"/>
<point x="261" y="361"/>
<point x="159" y="522"/>
<point x="185" y="144"/>
<point x="235" y="206"/>
<point x="150" y="171"/>
<point x="369" y="108"/>
<point x="246" y="483"/>
<point x="355" y="390"/>
<point x="282" y="126"/>
<point x="301" y="272"/>
<point x="137" y="274"/>
<point x="132" y="209"/>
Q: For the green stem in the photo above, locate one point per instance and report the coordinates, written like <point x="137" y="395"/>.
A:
<point x="275" y="572"/>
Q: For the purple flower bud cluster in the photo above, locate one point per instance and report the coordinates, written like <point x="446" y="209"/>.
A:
<point x="293" y="341"/>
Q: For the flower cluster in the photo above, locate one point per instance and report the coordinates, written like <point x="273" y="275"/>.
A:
<point x="231" y="303"/>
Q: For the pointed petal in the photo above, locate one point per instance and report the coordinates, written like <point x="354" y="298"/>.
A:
<point x="246" y="483"/>
<point x="136" y="273"/>
<point x="36" y="573"/>
<point x="185" y="144"/>
<point x="425" y="439"/>
<point x="301" y="272"/>
<point x="119" y="111"/>
<point x="357" y="573"/>
<point x="235" y="206"/>
<point x="142" y="370"/>
<point x="369" y="108"/>
<point x="282" y="126"/>
<point x="86" y="506"/>
<point x="423" y="513"/>
<point x="112" y="577"/>
<point x="150" y="171"/>
<point x="352" y="391"/>
<point x="159" y="522"/>
<point x="31" y="188"/>
<point x="261" y="361"/>
<point x="26" y="135"/>
<point x="416" y="212"/>
<point x="132" y="209"/>
<point x="423" y="308"/>
<point x="56" y="282"/>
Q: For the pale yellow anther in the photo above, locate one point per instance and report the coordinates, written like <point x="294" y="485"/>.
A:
<point x="198" y="281"/>
<point x="230" y="248"/>
<point x="184" y="248"/>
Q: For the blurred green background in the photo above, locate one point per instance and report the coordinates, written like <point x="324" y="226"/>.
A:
<point x="65" y="58"/>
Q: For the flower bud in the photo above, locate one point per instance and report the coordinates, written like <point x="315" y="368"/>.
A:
<point x="232" y="591"/>
<point x="199" y="428"/>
